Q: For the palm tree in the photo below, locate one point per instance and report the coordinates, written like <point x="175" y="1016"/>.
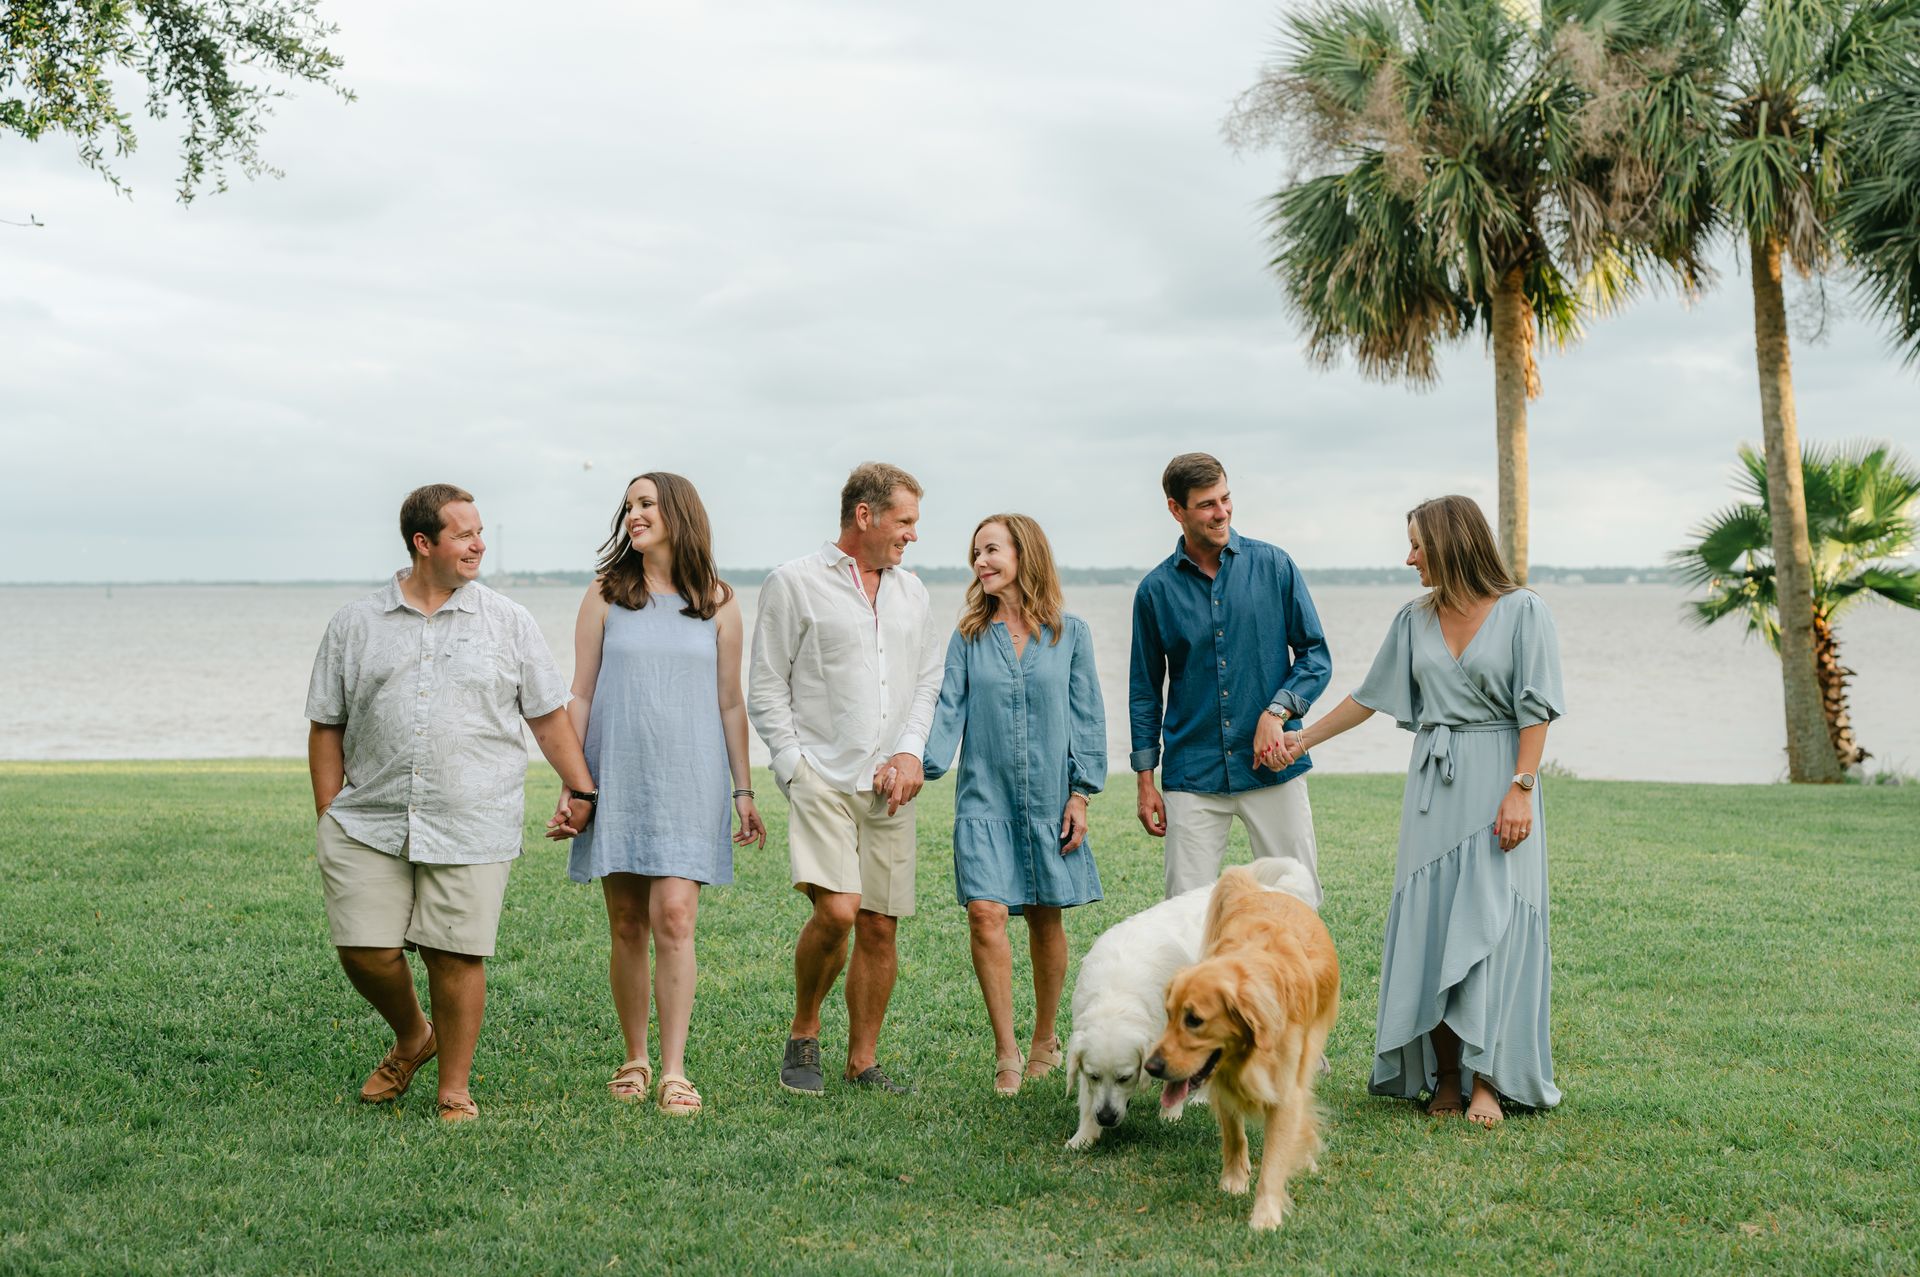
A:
<point x="1469" y="173"/>
<point x="1880" y="216"/>
<point x="1770" y="131"/>
<point x="1861" y="508"/>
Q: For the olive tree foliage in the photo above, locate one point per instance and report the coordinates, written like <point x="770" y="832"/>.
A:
<point x="218" y="66"/>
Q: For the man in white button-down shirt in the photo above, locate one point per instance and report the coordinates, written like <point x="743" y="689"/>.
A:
<point x="846" y="669"/>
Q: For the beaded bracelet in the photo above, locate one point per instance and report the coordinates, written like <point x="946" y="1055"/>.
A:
<point x="743" y="793"/>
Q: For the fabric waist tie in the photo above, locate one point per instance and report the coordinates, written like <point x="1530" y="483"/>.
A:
<point x="1433" y="752"/>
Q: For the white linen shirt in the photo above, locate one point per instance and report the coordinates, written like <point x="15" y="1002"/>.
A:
<point x="844" y="682"/>
<point x="436" y="763"/>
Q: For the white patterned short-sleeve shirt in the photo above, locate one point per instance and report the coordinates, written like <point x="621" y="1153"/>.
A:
<point x="436" y="763"/>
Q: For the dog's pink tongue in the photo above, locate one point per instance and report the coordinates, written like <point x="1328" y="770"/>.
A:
<point x="1173" y="1093"/>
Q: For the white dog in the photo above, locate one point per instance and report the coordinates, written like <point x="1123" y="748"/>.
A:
<point x="1119" y="1006"/>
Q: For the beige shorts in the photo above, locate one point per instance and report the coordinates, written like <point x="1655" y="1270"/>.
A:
<point x="847" y="843"/>
<point x="381" y="901"/>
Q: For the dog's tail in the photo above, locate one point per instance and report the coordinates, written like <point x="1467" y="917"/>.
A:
<point x="1235" y="882"/>
<point x="1283" y="873"/>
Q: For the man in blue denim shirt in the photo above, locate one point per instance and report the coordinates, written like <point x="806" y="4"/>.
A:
<point x="1227" y="627"/>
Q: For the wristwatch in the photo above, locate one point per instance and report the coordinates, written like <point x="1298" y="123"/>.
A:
<point x="590" y="798"/>
<point x="1525" y="780"/>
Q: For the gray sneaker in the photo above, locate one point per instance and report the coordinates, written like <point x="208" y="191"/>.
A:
<point x="800" y="1069"/>
<point x="876" y="1077"/>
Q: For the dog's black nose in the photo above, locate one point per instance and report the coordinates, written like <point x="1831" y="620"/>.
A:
<point x="1107" y="1117"/>
<point x="1157" y="1066"/>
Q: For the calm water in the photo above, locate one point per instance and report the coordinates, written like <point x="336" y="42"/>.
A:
<point x="221" y="671"/>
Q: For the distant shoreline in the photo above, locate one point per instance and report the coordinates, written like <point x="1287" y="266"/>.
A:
<point x="938" y="575"/>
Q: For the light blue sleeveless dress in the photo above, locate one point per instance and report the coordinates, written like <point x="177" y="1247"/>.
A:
<point x="657" y="751"/>
<point x="1467" y="931"/>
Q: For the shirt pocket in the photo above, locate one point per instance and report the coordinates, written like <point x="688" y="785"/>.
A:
<point x="474" y="663"/>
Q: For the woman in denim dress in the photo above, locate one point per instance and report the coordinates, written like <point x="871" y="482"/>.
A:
<point x="1021" y="702"/>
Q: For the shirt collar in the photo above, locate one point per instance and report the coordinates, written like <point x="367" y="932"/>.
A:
<point x="834" y="557"/>
<point x="1180" y="548"/>
<point x="464" y="599"/>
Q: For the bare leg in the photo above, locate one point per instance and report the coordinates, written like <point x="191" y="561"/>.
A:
<point x="1047" y="944"/>
<point x="675" y="903"/>
<point x="993" y="967"/>
<point x="819" y="957"/>
<point x="384" y="979"/>
<point x="870" y="979"/>
<point x="457" y="987"/>
<point x="1446" y="1067"/>
<point x="627" y="919"/>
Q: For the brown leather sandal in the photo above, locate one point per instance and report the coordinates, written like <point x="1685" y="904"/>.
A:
<point x="632" y="1082"/>
<point x="677" y="1096"/>
<point x="394" y="1074"/>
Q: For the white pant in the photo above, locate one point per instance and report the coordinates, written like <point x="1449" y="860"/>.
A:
<point x="1279" y="822"/>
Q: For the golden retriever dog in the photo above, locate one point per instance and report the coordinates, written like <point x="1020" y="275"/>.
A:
<point x="1250" y="1020"/>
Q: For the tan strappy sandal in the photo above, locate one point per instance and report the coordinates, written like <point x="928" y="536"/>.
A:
<point x="632" y="1082"/>
<point x="1008" y="1066"/>
<point x="677" y="1096"/>
<point x="1044" y="1059"/>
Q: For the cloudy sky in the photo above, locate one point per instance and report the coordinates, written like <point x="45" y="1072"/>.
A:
<point x="1001" y="245"/>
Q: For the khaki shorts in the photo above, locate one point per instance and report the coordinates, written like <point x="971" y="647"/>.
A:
<point x="847" y="843"/>
<point x="381" y="901"/>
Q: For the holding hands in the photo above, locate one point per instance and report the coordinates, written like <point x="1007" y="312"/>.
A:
<point x="570" y="816"/>
<point x="899" y="778"/>
<point x="1279" y="748"/>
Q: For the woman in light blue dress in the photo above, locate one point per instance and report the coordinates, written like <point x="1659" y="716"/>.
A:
<point x="657" y="703"/>
<point x="1473" y="668"/>
<point x="1021" y="702"/>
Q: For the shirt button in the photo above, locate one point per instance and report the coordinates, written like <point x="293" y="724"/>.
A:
<point x="1219" y="633"/>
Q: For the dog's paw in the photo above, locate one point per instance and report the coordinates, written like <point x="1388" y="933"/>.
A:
<point x="1235" y="1179"/>
<point x="1269" y="1213"/>
<point x="1083" y="1139"/>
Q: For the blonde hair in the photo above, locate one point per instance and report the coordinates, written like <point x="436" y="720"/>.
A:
<point x="1463" y="560"/>
<point x="1034" y="574"/>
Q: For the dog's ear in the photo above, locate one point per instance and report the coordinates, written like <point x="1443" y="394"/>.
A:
<point x="1075" y="1048"/>
<point x="1255" y="1003"/>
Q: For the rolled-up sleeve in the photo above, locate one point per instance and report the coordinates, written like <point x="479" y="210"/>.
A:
<point x="950" y="712"/>
<point x="1312" y="667"/>
<point x="1086" y="717"/>
<point x="776" y="637"/>
<point x="327" y="686"/>
<point x="1146" y="676"/>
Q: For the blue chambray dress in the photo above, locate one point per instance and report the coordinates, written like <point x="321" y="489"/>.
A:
<point x="1031" y="730"/>
<point x="1467" y="930"/>
<point x="657" y="751"/>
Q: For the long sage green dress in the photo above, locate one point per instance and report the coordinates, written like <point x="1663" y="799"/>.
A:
<point x="1467" y="932"/>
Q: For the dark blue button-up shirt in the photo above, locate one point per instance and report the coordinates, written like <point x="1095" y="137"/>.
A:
<point x="1224" y="650"/>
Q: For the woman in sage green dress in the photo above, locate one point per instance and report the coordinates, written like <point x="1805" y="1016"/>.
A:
<point x="1473" y="669"/>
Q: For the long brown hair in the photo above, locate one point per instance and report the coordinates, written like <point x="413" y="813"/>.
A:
<point x="622" y="569"/>
<point x="1463" y="560"/>
<point x="1034" y="574"/>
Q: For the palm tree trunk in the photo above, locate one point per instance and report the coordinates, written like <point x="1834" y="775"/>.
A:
<point x="1512" y="375"/>
<point x="1833" y="692"/>
<point x="1810" y="752"/>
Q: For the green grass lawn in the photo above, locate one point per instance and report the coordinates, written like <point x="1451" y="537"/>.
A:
<point x="1736" y="1026"/>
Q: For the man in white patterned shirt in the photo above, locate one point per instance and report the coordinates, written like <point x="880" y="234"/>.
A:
<point x="846" y="669"/>
<point x="419" y="772"/>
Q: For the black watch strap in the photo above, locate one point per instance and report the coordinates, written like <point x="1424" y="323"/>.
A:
<point x="590" y="797"/>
